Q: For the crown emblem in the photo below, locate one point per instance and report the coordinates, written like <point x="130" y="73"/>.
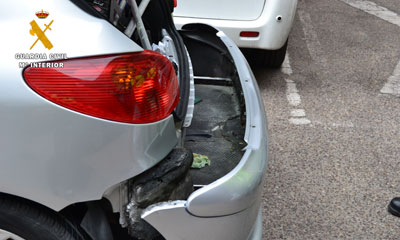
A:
<point x="42" y="14"/>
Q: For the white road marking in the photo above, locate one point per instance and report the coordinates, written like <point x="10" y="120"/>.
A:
<point x="298" y="116"/>
<point x="299" y="121"/>
<point x="292" y="93"/>
<point x="393" y="84"/>
<point x="286" y="67"/>
<point x="298" y="113"/>
<point x="346" y="124"/>
<point x="374" y="9"/>
<point x="312" y="41"/>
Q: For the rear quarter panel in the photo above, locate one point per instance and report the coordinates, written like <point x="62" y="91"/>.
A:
<point x="273" y="33"/>
<point x="52" y="155"/>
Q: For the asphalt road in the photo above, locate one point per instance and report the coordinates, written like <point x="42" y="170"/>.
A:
<point x="334" y="162"/>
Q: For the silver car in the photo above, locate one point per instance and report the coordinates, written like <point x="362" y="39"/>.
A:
<point x="114" y="125"/>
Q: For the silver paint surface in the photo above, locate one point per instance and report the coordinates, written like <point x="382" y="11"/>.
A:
<point x="53" y="155"/>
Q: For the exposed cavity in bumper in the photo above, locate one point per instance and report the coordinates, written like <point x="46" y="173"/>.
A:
<point x="233" y="200"/>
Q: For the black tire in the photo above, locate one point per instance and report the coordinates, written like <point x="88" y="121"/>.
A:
<point x="34" y="222"/>
<point x="275" y="58"/>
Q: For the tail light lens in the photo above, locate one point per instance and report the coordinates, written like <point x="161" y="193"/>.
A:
<point x="249" y="34"/>
<point x="132" y="88"/>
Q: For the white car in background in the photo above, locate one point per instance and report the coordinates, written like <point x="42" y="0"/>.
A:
<point x="252" y="24"/>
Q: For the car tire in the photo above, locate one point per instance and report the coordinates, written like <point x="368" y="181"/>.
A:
<point x="22" y="219"/>
<point x="274" y="58"/>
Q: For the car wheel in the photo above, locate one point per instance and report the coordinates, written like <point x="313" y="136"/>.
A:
<point x="21" y="219"/>
<point x="274" y="58"/>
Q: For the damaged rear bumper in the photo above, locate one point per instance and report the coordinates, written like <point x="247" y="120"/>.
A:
<point x="228" y="208"/>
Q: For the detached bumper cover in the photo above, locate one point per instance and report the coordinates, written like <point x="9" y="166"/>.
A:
<point x="228" y="208"/>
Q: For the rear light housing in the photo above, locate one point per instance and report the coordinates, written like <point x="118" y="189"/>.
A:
<point x="134" y="88"/>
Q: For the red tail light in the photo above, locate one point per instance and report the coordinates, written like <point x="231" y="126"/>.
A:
<point x="132" y="88"/>
<point x="249" y="34"/>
